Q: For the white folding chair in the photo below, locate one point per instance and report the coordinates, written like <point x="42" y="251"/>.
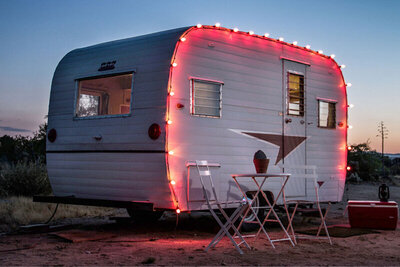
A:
<point x="213" y="204"/>
<point x="309" y="174"/>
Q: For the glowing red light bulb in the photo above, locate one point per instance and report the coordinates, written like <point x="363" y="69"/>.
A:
<point x="348" y="168"/>
<point x="348" y="147"/>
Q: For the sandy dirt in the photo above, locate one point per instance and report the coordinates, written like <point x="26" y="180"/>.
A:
<point x="162" y="243"/>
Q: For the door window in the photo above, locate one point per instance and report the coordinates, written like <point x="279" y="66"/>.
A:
<point x="295" y="88"/>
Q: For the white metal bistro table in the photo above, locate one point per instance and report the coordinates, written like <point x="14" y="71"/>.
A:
<point x="259" y="179"/>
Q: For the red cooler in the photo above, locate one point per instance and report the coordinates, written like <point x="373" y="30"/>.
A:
<point x="373" y="214"/>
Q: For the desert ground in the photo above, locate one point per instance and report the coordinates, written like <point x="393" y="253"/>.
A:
<point x="101" y="241"/>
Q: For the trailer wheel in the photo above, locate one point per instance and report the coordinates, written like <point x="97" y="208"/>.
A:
<point x="249" y="223"/>
<point x="144" y="216"/>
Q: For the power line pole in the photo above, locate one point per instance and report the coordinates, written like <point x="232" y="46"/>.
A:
<point x="383" y="133"/>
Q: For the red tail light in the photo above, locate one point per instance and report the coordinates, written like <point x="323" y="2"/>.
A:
<point x="154" y="131"/>
<point x="52" y="135"/>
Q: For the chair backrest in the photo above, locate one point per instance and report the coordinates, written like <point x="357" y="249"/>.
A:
<point x="205" y="179"/>
<point x="310" y="173"/>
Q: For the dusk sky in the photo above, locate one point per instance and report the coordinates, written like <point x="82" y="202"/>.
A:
<point x="364" y="35"/>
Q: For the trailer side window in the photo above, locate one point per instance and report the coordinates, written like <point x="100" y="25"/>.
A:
<point x="326" y="114"/>
<point x="109" y="95"/>
<point x="295" y="89"/>
<point x="205" y="98"/>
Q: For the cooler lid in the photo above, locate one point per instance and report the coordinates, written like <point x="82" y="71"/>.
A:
<point x="371" y="203"/>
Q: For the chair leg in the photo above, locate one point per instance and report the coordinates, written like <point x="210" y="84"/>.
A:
<point x="323" y="222"/>
<point x="214" y="242"/>
<point x="230" y="224"/>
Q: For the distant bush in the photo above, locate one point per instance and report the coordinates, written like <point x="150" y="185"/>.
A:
<point x="23" y="179"/>
<point x="19" y="148"/>
<point x="367" y="163"/>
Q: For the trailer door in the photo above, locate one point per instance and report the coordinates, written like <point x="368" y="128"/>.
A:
<point x="294" y="125"/>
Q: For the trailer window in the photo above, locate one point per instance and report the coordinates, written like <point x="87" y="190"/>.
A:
<point x="295" y="88"/>
<point x="205" y="98"/>
<point x="327" y="114"/>
<point x="104" y="96"/>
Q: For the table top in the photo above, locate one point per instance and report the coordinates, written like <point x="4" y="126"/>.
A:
<point x="261" y="175"/>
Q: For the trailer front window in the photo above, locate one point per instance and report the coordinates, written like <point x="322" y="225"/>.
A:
<point x="327" y="114"/>
<point x="109" y="95"/>
<point x="295" y="88"/>
<point x="206" y="98"/>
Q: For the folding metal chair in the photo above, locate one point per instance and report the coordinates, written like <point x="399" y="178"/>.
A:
<point x="309" y="174"/>
<point x="213" y="203"/>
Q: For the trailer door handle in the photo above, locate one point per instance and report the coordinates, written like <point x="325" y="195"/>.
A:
<point x="98" y="137"/>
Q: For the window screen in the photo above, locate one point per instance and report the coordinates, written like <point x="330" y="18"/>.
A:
<point x="295" y="88"/>
<point x="206" y="98"/>
<point x="104" y="96"/>
<point x="327" y="114"/>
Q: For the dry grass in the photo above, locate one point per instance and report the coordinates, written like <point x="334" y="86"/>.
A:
<point x="16" y="211"/>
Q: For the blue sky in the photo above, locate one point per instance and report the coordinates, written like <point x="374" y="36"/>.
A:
<point x="364" y="35"/>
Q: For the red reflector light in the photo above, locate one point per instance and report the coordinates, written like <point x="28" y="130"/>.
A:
<point x="154" y="131"/>
<point x="52" y="135"/>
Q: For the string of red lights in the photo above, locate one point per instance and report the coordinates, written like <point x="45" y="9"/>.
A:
<point x="217" y="26"/>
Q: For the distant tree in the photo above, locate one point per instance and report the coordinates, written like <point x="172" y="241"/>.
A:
<point x="366" y="162"/>
<point x="38" y="143"/>
<point x="7" y="149"/>
<point x="22" y="148"/>
<point x="395" y="166"/>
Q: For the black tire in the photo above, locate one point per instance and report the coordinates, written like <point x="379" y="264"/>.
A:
<point x="144" y="215"/>
<point x="249" y="224"/>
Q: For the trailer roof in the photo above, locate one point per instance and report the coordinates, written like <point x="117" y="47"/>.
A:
<point x="163" y="35"/>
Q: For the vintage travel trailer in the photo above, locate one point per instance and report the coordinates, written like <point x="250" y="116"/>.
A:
<point x="128" y="119"/>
